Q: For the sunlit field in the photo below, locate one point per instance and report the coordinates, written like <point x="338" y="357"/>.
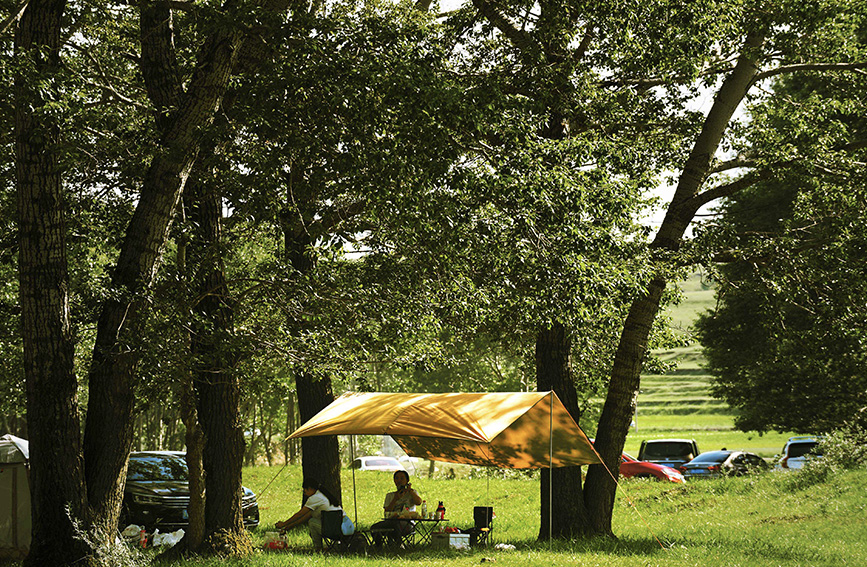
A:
<point x="766" y="520"/>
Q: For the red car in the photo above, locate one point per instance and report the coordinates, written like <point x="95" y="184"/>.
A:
<point x="630" y="468"/>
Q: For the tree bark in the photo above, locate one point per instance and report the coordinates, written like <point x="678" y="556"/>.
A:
<point x="320" y="456"/>
<point x="108" y="431"/>
<point x="620" y="402"/>
<point x="58" y="496"/>
<point x="554" y="372"/>
<point x="194" y="437"/>
<point x="217" y="386"/>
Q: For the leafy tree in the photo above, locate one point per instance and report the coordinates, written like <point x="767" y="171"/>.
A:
<point x="185" y="105"/>
<point x="624" y="77"/>
<point x="783" y="343"/>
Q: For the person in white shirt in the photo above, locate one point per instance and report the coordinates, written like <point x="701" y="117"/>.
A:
<point x="403" y="499"/>
<point x="318" y="500"/>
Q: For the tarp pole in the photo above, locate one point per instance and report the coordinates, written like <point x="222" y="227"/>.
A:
<point x="351" y="463"/>
<point x="551" y="472"/>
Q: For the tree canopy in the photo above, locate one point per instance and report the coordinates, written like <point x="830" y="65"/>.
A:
<point x="784" y="342"/>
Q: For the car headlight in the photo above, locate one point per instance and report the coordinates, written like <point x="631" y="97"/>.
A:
<point x="145" y="499"/>
<point x="672" y="473"/>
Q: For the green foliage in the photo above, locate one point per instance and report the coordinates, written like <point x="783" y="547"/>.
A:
<point x="785" y="342"/>
<point x="843" y="449"/>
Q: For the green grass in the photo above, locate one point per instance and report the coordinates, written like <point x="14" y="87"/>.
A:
<point x="767" y="520"/>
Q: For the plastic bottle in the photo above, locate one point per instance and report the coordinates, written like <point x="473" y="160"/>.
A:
<point x="424" y="508"/>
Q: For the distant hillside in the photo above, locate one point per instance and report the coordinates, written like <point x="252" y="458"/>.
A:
<point x="678" y="404"/>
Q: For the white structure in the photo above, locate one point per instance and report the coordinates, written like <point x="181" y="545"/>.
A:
<point x="15" y="521"/>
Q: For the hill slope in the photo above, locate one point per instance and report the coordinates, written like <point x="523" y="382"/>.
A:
<point x="679" y="404"/>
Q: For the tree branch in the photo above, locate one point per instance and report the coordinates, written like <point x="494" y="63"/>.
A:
<point x="720" y="191"/>
<point x="738" y="162"/>
<point x="520" y="39"/>
<point x="14" y="16"/>
<point x="810" y="67"/>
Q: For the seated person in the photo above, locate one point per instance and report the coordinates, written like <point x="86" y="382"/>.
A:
<point x="318" y="501"/>
<point x="403" y="499"/>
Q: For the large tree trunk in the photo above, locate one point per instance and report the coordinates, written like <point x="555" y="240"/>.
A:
<point x="554" y="372"/>
<point x="108" y="432"/>
<point x="320" y="456"/>
<point x="620" y="402"/>
<point x="58" y="502"/>
<point x="216" y="382"/>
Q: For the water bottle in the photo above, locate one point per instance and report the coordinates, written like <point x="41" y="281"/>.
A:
<point x="424" y="508"/>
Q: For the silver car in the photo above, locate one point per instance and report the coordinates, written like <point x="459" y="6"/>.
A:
<point x="799" y="450"/>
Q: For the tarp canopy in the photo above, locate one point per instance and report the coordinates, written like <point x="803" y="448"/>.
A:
<point x="506" y="430"/>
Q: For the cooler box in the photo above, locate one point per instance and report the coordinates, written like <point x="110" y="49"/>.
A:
<point x="453" y="541"/>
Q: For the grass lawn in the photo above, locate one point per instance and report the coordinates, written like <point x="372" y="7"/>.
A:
<point x="769" y="520"/>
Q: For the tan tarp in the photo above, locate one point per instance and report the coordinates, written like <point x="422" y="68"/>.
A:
<point x="506" y="430"/>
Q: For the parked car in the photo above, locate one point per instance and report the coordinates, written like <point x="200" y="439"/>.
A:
<point x="157" y="493"/>
<point x="377" y="464"/>
<point x="798" y="450"/>
<point x="668" y="452"/>
<point x="714" y="464"/>
<point x="632" y="468"/>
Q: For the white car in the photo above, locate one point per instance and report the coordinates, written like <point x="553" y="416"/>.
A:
<point x="799" y="450"/>
<point x="377" y="464"/>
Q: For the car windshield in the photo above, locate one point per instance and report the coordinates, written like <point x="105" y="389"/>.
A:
<point x="157" y="467"/>
<point x="381" y="463"/>
<point x="666" y="449"/>
<point x="801" y="449"/>
<point x="712" y="457"/>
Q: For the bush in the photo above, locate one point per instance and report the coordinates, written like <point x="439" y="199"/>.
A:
<point x="845" y="448"/>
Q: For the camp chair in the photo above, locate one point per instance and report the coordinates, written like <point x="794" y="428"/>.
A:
<point x="483" y="520"/>
<point x="332" y="534"/>
<point x="401" y="534"/>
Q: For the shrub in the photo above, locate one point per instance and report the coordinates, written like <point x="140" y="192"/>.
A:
<point x="846" y="448"/>
<point x="843" y="449"/>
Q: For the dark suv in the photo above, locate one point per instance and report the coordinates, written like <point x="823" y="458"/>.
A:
<point x="669" y="452"/>
<point x="157" y="493"/>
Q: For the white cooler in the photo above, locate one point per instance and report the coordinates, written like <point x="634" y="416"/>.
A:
<point x="453" y="541"/>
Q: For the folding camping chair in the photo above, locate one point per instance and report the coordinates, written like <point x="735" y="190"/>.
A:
<point x="483" y="520"/>
<point x="332" y="533"/>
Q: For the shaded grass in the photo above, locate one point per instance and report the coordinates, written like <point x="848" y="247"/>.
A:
<point x="755" y="521"/>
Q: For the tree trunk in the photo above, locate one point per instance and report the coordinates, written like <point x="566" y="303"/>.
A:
<point x="58" y="495"/>
<point x="620" y="402"/>
<point x="195" y="441"/>
<point x="194" y="438"/>
<point x="108" y="432"/>
<point x="217" y="385"/>
<point x="554" y="372"/>
<point x="320" y="455"/>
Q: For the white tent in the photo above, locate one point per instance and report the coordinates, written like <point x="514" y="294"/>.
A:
<point x="15" y="521"/>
